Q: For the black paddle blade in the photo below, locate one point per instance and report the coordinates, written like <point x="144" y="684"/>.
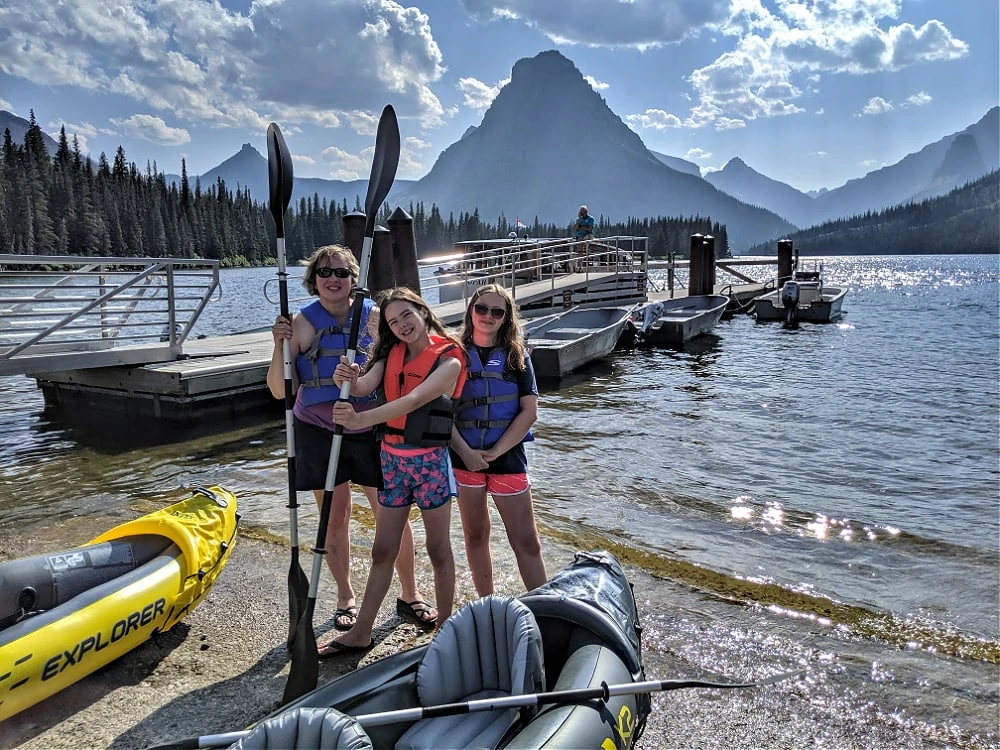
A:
<point x="383" y="166"/>
<point x="303" y="674"/>
<point x="298" y="593"/>
<point x="279" y="175"/>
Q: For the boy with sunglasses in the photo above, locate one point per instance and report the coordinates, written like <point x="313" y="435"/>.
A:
<point x="318" y="336"/>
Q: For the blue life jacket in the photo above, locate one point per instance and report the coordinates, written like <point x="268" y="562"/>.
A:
<point x="489" y="402"/>
<point x="316" y="365"/>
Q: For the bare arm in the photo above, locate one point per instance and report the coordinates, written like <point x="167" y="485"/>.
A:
<point x="440" y="382"/>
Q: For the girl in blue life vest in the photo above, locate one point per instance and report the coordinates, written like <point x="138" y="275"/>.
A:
<point x="420" y="369"/>
<point x="498" y="405"/>
<point x="318" y="336"/>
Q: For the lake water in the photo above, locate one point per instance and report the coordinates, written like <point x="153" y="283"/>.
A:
<point x="824" y="496"/>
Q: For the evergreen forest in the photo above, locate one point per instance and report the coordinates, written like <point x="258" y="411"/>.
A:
<point x="965" y="220"/>
<point x="62" y="204"/>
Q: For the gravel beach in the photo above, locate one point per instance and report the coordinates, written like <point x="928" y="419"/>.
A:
<point x="225" y="666"/>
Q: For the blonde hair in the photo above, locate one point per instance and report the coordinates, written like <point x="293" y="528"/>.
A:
<point x="508" y="336"/>
<point x="328" y="252"/>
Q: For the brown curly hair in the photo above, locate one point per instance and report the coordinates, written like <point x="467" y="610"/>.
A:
<point x="329" y="252"/>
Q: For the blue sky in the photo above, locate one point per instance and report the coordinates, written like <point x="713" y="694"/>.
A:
<point x="809" y="92"/>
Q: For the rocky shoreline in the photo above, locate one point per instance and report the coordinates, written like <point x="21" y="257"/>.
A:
<point x="225" y="666"/>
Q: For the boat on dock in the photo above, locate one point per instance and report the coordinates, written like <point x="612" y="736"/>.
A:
<point x="804" y="298"/>
<point x="67" y="614"/>
<point x="674" y="322"/>
<point x="560" y="344"/>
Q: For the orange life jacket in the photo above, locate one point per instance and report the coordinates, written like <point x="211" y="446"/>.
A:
<point x="429" y="425"/>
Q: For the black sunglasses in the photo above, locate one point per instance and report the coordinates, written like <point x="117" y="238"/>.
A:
<point x="326" y="272"/>
<point x="495" y="312"/>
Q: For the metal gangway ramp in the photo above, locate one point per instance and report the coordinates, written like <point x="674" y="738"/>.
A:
<point x="69" y="312"/>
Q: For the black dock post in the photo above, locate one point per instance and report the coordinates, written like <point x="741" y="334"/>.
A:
<point x="696" y="273"/>
<point x="784" y="261"/>
<point x="404" y="250"/>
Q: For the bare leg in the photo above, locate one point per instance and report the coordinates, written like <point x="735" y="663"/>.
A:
<point x="476" y="529"/>
<point x="405" y="567"/>
<point x="338" y="542"/>
<point x="437" y="525"/>
<point x="518" y="517"/>
<point x="385" y="549"/>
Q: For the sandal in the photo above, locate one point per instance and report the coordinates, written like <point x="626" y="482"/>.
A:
<point x="344" y="619"/>
<point x="333" y="648"/>
<point x="418" y="612"/>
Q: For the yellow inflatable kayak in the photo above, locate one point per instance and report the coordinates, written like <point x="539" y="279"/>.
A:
<point x="65" y="615"/>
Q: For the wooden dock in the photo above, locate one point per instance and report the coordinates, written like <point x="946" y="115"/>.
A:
<point x="224" y="377"/>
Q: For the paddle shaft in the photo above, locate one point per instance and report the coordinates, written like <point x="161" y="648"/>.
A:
<point x="604" y="693"/>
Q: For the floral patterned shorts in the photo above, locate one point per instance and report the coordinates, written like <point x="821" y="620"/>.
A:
<point x="421" y="476"/>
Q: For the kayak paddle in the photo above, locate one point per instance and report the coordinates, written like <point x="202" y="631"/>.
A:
<point x="304" y="671"/>
<point x="279" y="174"/>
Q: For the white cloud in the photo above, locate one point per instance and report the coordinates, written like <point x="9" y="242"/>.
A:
<point x="154" y="130"/>
<point x="639" y="24"/>
<point x="595" y="84"/>
<point x="346" y="166"/>
<point x="920" y="99"/>
<point x="871" y="164"/>
<point x="654" y="119"/>
<point x="478" y="96"/>
<point x="4" y="104"/>
<point x="875" y="106"/>
<point x="302" y="159"/>
<point x="778" y="58"/>
<point x="198" y="60"/>
<point x="819" y="154"/>
<point x="697" y="153"/>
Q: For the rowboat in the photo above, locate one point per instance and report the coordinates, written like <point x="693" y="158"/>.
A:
<point x="674" y="322"/>
<point x="578" y="632"/>
<point x="65" y="615"/>
<point x="804" y="298"/>
<point x="565" y="342"/>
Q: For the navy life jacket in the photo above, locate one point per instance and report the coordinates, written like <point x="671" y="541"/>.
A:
<point x="316" y="365"/>
<point x="489" y="402"/>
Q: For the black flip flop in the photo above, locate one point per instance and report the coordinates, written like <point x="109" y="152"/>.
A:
<point x="410" y="611"/>
<point x="351" y="612"/>
<point x="332" y="649"/>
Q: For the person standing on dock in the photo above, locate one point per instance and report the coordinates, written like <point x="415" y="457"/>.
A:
<point x="584" y="225"/>
<point x="493" y="417"/>
<point x="584" y="228"/>
<point x="420" y="369"/>
<point x="319" y="336"/>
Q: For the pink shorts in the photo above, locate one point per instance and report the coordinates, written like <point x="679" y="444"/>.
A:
<point x="497" y="485"/>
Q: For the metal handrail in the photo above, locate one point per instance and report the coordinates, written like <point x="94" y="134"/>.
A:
<point x="513" y="262"/>
<point x="52" y="305"/>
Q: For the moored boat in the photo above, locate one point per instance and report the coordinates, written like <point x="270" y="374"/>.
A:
<point x="65" y="615"/>
<point x="804" y="298"/>
<point x="674" y="322"/>
<point x="563" y="343"/>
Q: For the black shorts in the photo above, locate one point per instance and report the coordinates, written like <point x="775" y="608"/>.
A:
<point x="514" y="461"/>
<point x="359" y="460"/>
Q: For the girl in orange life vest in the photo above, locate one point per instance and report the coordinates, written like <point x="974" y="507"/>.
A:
<point x="498" y="405"/>
<point x="421" y="369"/>
<point x="318" y="336"/>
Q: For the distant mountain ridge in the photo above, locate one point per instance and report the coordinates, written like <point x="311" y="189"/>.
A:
<point x="549" y="143"/>
<point x="935" y="170"/>
<point x="964" y="220"/>
<point x="18" y="126"/>
<point x="247" y="169"/>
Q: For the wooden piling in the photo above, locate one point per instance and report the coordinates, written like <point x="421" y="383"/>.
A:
<point x="784" y="261"/>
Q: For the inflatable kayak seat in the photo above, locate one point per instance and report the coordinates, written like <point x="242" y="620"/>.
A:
<point x="490" y="648"/>
<point x="307" y="729"/>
